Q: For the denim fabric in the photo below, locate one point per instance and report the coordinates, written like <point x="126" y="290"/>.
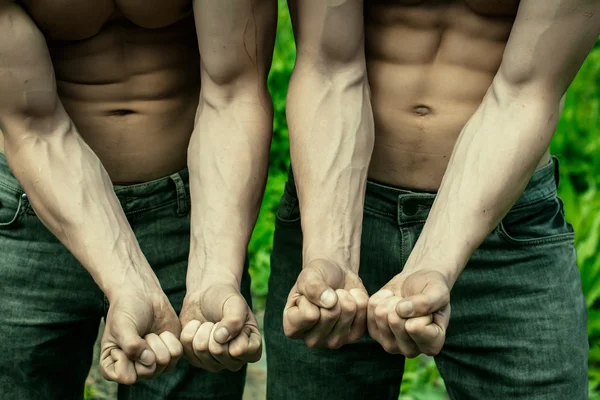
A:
<point x="50" y="308"/>
<point x="518" y="324"/>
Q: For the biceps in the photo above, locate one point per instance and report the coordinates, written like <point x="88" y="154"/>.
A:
<point x="27" y="79"/>
<point x="235" y="39"/>
<point x="328" y="31"/>
<point x="549" y="42"/>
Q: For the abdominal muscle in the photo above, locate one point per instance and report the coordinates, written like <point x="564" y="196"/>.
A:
<point x="429" y="67"/>
<point x="132" y="94"/>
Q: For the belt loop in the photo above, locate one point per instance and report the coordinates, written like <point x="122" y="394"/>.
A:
<point x="22" y="198"/>
<point x="556" y="170"/>
<point x="183" y="207"/>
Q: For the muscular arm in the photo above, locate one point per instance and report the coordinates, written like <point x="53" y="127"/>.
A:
<point x="64" y="180"/>
<point x="229" y="149"/>
<point x="331" y="127"/>
<point x="502" y="143"/>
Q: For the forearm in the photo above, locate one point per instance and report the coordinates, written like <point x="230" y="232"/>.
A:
<point x="228" y="162"/>
<point x="74" y="198"/>
<point x="492" y="162"/>
<point x="64" y="180"/>
<point x="331" y="141"/>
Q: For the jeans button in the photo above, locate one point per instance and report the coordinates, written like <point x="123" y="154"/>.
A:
<point x="410" y="208"/>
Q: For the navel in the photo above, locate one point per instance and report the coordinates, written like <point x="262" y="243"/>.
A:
<point x="421" y="110"/>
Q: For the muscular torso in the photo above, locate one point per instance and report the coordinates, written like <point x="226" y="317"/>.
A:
<point x="430" y="63"/>
<point x="127" y="73"/>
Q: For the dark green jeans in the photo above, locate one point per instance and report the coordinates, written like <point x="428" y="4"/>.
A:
<point x="518" y="324"/>
<point x="50" y="307"/>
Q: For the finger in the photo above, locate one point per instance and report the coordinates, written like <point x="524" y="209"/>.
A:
<point x="116" y="367"/>
<point x="427" y="336"/>
<point x="129" y="340"/>
<point x="404" y="342"/>
<point x="174" y="347"/>
<point x="224" y="303"/>
<point x="239" y="344"/>
<point x="357" y="331"/>
<point x="442" y="318"/>
<point x="374" y="302"/>
<point x="163" y="357"/>
<point x="386" y="337"/>
<point x="339" y="334"/>
<point x="317" y="336"/>
<point x="200" y="345"/>
<point x="318" y="281"/>
<point x="432" y="298"/>
<point x="300" y="318"/>
<point x="247" y="346"/>
<point x="220" y="352"/>
<point x="187" y="339"/>
<point x="235" y="315"/>
<point x="255" y="345"/>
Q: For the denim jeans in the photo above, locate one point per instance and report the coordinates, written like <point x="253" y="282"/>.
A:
<point x="50" y="308"/>
<point x="518" y="323"/>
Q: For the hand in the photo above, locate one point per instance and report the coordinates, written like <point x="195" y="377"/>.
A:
<point x="327" y="307"/>
<point x="410" y="314"/>
<point x="140" y="339"/>
<point x="219" y="329"/>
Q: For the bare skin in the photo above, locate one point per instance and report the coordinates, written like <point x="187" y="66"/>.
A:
<point x="466" y="96"/>
<point x="228" y="155"/>
<point x="331" y="138"/>
<point x="113" y="97"/>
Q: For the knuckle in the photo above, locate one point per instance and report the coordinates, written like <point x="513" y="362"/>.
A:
<point x="235" y="320"/>
<point x="218" y="350"/>
<point x="311" y="343"/>
<point x="163" y="359"/>
<point x="312" y="286"/>
<point x="349" y="306"/>
<point x="411" y="327"/>
<point x="411" y="354"/>
<point x="200" y="345"/>
<point x="335" y="343"/>
<point x="389" y="347"/>
<point x="381" y="313"/>
<point x="432" y="352"/>
<point x="186" y="338"/>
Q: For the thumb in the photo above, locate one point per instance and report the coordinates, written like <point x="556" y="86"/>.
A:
<point x="427" y="293"/>
<point x="318" y="281"/>
<point x="225" y="306"/>
<point x="129" y="341"/>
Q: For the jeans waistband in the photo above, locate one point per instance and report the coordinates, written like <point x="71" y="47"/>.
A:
<point x="412" y="206"/>
<point x="133" y="198"/>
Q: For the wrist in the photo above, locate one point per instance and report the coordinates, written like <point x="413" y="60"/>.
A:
<point x="132" y="279"/>
<point x="202" y="273"/>
<point x="344" y="255"/>
<point x="447" y="260"/>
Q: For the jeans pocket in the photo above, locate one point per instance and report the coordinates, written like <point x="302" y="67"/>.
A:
<point x="11" y="206"/>
<point x="288" y="212"/>
<point x="537" y="223"/>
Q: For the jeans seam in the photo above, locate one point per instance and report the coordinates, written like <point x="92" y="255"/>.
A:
<point x="558" y="238"/>
<point x="16" y="190"/>
<point x="378" y="212"/>
<point x="535" y="201"/>
<point x="136" y="211"/>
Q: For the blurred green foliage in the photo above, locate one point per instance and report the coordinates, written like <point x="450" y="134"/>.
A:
<point x="577" y="143"/>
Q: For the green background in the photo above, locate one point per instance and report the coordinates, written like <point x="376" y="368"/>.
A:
<point x="576" y="143"/>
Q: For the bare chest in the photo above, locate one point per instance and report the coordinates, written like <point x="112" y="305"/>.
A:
<point x="82" y="19"/>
